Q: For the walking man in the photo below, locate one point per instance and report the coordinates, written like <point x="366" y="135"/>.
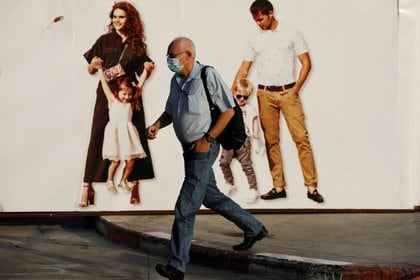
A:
<point x="188" y="110"/>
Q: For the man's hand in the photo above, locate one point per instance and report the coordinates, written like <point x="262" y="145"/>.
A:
<point x="201" y="145"/>
<point x="293" y="90"/>
<point x="164" y="120"/>
<point x="152" y="132"/>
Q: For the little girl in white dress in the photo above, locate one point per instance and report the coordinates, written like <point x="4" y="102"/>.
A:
<point x="121" y="138"/>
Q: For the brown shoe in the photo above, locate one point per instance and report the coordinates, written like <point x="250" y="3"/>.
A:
<point x="273" y="194"/>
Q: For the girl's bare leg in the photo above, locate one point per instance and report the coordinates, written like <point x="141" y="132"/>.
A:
<point x="111" y="173"/>
<point x="129" y="164"/>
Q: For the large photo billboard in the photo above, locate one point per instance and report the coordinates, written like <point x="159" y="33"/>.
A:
<point x="49" y="104"/>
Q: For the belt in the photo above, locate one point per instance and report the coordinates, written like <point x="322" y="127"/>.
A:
<point x="277" y="88"/>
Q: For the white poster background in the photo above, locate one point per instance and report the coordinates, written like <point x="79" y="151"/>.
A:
<point x="409" y="101"/>
<point x="350" y="100"/>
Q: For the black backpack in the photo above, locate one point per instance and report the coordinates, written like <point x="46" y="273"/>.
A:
<point x="233" y="136"/>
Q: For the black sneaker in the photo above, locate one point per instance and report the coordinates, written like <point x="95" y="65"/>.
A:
<point x="250" y="241"/>
<point x="170" y="272"/>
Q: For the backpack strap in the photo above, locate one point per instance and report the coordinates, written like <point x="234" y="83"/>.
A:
<point x="204" y="79"/>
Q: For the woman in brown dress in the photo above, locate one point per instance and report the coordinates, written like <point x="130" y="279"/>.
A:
<point x="124" y="44"/>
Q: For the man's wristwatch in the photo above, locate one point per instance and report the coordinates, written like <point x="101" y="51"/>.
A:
<point x="209" y="138"/>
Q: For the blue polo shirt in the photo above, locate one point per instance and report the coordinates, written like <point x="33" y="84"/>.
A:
<point x="187" y="102"/>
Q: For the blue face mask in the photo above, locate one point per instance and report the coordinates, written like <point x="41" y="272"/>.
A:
<point x="173" y="64"/>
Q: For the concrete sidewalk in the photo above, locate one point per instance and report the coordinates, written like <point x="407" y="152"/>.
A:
<point x="299" y="246"/>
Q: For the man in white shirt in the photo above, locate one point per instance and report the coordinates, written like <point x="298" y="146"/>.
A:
<point x="273" y="48"/>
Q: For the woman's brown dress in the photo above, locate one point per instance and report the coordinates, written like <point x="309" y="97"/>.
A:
<point x="109" y="48"/>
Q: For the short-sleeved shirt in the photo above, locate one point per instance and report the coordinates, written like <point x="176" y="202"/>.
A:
<point x="110" y="48"/>
<point x="274" y="53"/>
<point x="249" y="113"/>
<point x="188" y="106"/>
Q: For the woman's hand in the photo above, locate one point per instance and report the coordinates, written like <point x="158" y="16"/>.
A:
<point x="137" y="105"/>
<point x="149" y="66"/>
<point x="95" y="64"/>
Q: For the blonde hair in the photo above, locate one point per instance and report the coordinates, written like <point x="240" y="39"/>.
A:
<point x="247" y="85"/>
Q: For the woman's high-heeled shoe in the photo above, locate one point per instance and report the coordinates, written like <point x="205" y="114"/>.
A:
<point x="88" y="197"/>
<point x="135" y="197"/>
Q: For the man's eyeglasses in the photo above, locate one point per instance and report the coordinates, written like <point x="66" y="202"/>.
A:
<point x="238" y="96"/>
<point x="171" y="55"/>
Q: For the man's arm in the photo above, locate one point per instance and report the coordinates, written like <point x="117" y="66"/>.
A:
<point x="305" y="60"/>
<point x="203" y="145"/>
<point x="242" y="72"/>
<point x="221" y="122"/>
<point x="164" y="120"/>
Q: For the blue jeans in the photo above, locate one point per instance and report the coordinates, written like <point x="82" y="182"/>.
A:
<point x="199" y="187"/>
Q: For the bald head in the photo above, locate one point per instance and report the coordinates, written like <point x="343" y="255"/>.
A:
<point x="182" y="44"/>
<point x="183" y="49"/>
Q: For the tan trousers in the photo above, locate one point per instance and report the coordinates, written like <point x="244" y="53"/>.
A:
<point x="270" y="104"/>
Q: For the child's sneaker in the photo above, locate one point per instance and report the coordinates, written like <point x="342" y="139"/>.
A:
<point x="228" y="189"/>
<point x="252" y="195"/>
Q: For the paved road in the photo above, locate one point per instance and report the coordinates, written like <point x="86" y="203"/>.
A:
<point x="72" y="249"/>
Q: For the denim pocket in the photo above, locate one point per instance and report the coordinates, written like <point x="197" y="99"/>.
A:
<point x="192" y="155"/>
<point x="197" y="166"/>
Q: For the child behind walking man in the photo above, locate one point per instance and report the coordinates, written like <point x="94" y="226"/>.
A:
<point x="243" y="154"/>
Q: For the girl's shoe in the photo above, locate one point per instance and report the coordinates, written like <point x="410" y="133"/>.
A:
<point x="124" y="185"/>
<point x="88" y="196"/>
<point x="111" y="187"/>
<point x="135" y="197"/>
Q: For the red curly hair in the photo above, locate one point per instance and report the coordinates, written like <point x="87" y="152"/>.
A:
<point x="134" y="29"/>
